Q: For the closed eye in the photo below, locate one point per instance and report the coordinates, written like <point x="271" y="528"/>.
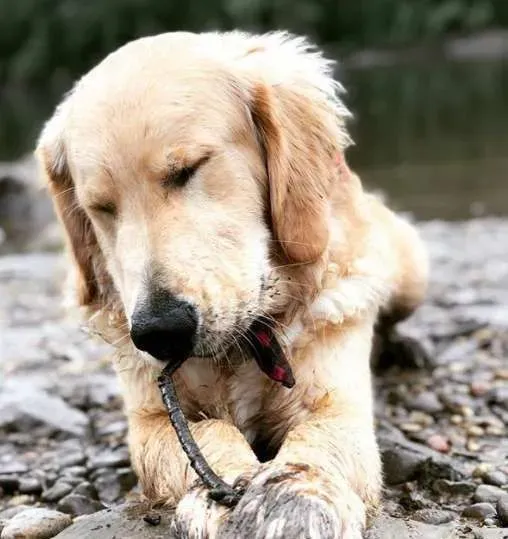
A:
<point x="181" y="177"/>
<point x="107" y="208"/>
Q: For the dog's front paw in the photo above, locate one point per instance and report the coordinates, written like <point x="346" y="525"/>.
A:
<point x="295" y="502"/>
<point x="197" y="516"/>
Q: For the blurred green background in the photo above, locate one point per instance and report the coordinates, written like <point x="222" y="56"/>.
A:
<point x="426" y="79"/>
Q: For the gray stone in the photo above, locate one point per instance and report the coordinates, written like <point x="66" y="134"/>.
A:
<point x="457" y="351"/>
<point x="108" y="458"/>
<point x="488" y="494"/>
<point x="12" y="467"/>
<point x="36" y="523"/>
<point x="457" y="403"/>
<point x="124" y="521"/>
<point x="76" y="504"/>
<point x="18" y="401"/>
<point x="454" y="488"/>
<point x="490" y="533"/>
<point x="71" y="480"/>
<point x="480" y="511"/>
<point x="495" y="477"/>
<point x="74" y="471"/>
<point x="434" y="516"/>
<point x="29" y="485"/>
<point x="426" y="402"/>
<point x="73" y="461"/>
<point x="502" y="509"/>
<point x="113" y="484"/>
<point x="386" y="527"/>
<point x="56" y="492"/>
<point x="400" y="463"/>
<point x="499" y="395"/>
<point x="10" y="512"/>
<point x="86" y="489"/>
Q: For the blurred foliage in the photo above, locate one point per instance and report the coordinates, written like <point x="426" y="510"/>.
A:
<point x="52" y="41"/>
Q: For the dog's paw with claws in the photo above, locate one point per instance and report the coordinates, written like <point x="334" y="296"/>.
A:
<point x="295" y="501"/>
<point x="197" y="516"/>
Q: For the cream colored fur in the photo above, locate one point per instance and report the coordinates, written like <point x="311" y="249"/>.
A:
<point x="268" y="114"/>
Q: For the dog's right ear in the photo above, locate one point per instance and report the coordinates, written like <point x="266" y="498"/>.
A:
<point x="81" y="240"/>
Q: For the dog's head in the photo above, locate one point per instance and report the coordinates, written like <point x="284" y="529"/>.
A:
<point x="189" y="171"/>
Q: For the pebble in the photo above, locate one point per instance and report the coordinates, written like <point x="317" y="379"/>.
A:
<point x="36" y="523"/>
<point x="20" y="401"/>
<point x="457" y="352"/>
<point x="76" y="504"/>
<point x="400" y="463"/>
<point x="421" y="418"/>
<point x="482" y="469"/>
<point x="108" y="458"/>
<point x="479" y="388"/>
<point x="454" y="488"/>
<point x="498" y="395"/>
<point x="473" y="445"/>
<point x="427" y="402"/>
<point x="411" y="427"/>
<point x="73" y="459"/>
<point x="56" y="492"/>
<point x="488" y="494"/>
<point x="490" y="533"/>
<point x="74" y="471"/>
<point x="475" y="430"/>
<point x="112" y="484"/>
<point x="12" y="467"/>
<point x="495" y="431"/>
<point x="29" y="485"/>
<point x="456" y="419"/>
<point x="502" y="509"/>
<point x="439" y="443"/>
<point x="457" y="403"/>
<point x="434" y="516"/>
<point x="10" y="512"/>
<point x="480" y="511"/>
<point x="86" y="489"/>
<point x="496" y="478"/>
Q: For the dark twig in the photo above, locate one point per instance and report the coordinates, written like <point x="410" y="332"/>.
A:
<point x="219" y="491"/>
<point x="271" y="360"/>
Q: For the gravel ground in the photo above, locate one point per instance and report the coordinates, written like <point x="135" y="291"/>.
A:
<point x="441" y="424"/>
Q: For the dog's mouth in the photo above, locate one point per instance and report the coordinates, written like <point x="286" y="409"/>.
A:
<point x="258" y="341"/>
<point x="268" y="353"/>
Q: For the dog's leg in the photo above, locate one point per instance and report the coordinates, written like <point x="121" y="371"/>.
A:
<point x="326" y="477"/>
<point x="161" y="465"/>
<point x="165" y="473"/>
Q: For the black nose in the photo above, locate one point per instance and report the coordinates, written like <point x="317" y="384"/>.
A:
<point x="164" y="326"/>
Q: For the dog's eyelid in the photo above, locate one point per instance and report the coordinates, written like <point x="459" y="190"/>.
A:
<point x="104" y="208"/>
<point x="178" y="178"/>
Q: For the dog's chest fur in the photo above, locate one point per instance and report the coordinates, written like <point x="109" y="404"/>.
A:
<point x="242" y="397"/>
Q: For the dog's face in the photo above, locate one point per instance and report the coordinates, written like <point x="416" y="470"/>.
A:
<point x="182" y="186"/>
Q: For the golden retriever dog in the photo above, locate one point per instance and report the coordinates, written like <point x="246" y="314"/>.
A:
<point x="202" y="183"/>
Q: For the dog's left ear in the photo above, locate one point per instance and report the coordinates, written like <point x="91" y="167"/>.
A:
<point x="302" y="133"/>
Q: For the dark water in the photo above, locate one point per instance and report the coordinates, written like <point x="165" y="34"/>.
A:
<point x="433" y="136"/>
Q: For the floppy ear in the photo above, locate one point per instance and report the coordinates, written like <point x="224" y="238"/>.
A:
<point x="300" y="121"/>
<point x="93" y="282"/>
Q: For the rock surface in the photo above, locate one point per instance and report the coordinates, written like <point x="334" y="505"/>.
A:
<point x="124" y="521"/>
<point x="35" y="523"/>
<point x="441" y="426"/>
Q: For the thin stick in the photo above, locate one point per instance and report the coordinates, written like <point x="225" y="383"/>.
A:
<point x="219" y="491"/>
